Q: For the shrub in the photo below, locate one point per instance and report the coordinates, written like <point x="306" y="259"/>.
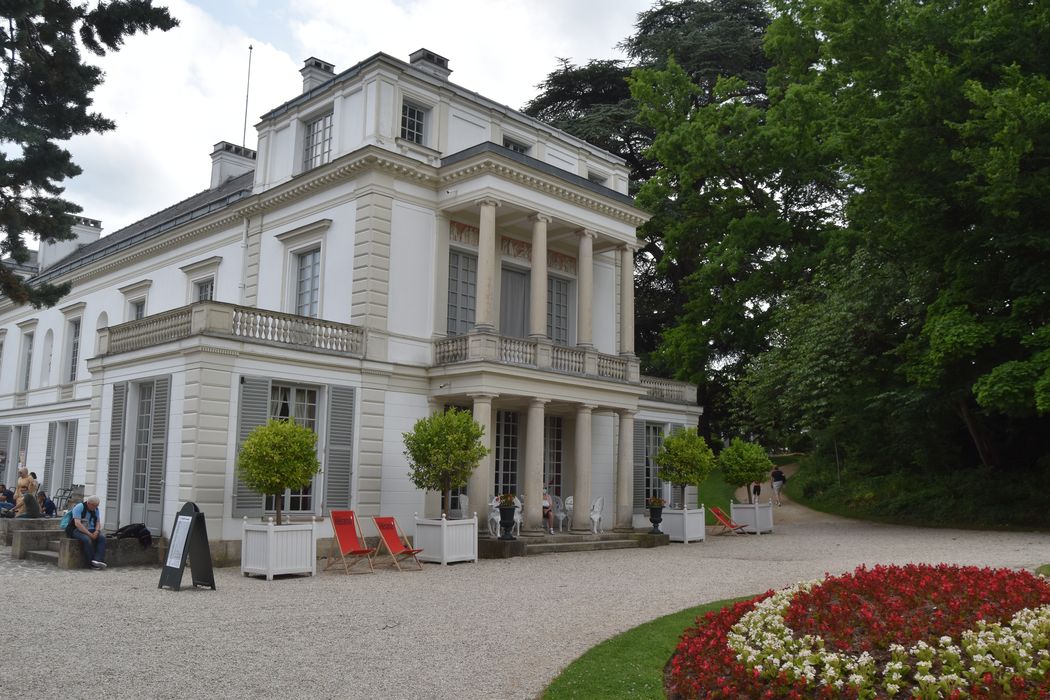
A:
<point x="277" y="456"/>
<point x="443" y="450"/>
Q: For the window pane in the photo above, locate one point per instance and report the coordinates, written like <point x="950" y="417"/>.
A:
<point x="462" y="291"/>
<point x="412" y="123"/>
<point x="558" y="310"/>
<point x="308" y="283"/>
<point x="506" y="452"/>
<point x="552" y="453"/>
<point x="654" y="440"/>
<point x="206" y="289"/>
<point x="74" y="348"/>
<point x="317" y="142"/>
<point x="299" y="404"/>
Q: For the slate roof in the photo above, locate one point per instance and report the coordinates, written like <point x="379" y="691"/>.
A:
<point x="155" y="225"/>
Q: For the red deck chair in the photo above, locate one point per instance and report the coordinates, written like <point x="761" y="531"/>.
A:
<point x="727" y="524"/>
<point x="348" y="542"/>
<point x="393" y="539"/>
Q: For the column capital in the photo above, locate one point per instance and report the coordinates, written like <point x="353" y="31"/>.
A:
<point x="627" y="412"/>
<point x="633" y="247"/>
<point x="538" y="402"/>
<point x="586" y="233"/>
<point x="585" y="407"/>
<point x="540" y="216"/>
<point x="483" y="396"/>
<point x="490" y="201"/>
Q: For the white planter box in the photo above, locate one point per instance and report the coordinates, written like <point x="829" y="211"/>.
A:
<point x="758" y="517"/>
<point x="268" y="550"/>
<point x="685" y="525"/>
<point x="444" y="541"/>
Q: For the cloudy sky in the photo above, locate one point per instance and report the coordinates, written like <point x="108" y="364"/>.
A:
<point x="175" y="94"/>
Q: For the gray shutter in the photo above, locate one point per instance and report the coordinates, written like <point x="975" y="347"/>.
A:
<point x="70" y="455"/>
<point x="158" y="449"/>
<point x="5" y="444"/>
<point x="254" y="411"/>
<point x="340" y="456"/>
<point x="23" y="443"/>
<point x="639" y="466"/>
<point x="49" y="457"/>
<point x="116" y="456"/>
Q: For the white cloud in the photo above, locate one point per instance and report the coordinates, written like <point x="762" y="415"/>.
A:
<point x="175" y="94"/>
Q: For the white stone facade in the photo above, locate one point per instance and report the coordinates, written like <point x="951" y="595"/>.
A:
<point x="377" y="261"/>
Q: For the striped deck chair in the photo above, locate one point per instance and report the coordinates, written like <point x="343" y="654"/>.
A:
<point x="723" y="519"/>
<point x="393" y="539"/>
<point x="348" y="542"/>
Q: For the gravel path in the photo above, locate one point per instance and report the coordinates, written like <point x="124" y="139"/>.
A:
<point x="496" y="629"/>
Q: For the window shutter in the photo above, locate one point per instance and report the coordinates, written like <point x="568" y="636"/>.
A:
<point x="49" y="457"/>
<point x="676" y="428"/>
<point x="340" y="456"/>
<point x="116" y="453"/>
<point x="254" y="411"/>
<point x="23" y="444"/>
<point x="5" y="444"/>
<point x="158" y="442"/>
<point x="69" y="456"/>
<point x="639" y="466"/>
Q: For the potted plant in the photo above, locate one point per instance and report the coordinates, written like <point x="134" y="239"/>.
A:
<point x="655" y="504"/>
<point x="277" y="456"/>
<point x="742" y="464"/>
<point x="443" y="450"/>
<point x="507" y="508"/>
<point x="685" y="460"/>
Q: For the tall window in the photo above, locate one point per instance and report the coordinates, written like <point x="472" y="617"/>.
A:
<point x="515" y="146"/>
<point x="299" y="404"/>
<point x="137" y="309"/>
<point x="514" y="303"/>
<point x="413" y="123"/>
<point x="462" y="292"/>
<point x="74" y="349"/>
<point x="143" y="430"/>
<point x="317" y="142"/>
<point x="27" y="360"/>
<point x="654" y="440"/>
<point x="553" y="435"/>
<point x="204" y="290"/>
<point x="506" y="449"/>
<point x="308" y="282"/>
<point x="558" y="310"/>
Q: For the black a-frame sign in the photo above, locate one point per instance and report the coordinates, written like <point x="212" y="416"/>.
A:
<point x="189" y="538"/>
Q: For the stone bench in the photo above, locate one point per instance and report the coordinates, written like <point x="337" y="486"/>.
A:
<point x="9" y="526"/>
<point x="125" y="552"/>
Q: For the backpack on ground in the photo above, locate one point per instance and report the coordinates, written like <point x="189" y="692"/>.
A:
<point x="137" y="531"/>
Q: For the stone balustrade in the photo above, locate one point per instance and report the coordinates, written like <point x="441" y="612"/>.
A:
<point x="669" y="390"/>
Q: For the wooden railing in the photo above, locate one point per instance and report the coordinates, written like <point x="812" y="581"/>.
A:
<point x="669" y="390"/>
<point x="227" y="320"/>
<point x="151" y="330"/>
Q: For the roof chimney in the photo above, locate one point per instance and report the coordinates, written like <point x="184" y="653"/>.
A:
<point x="230" y="160"/>
<point x="314" y="72"/>
<point x="86" y="231"/>
<point x="430" y="62"/>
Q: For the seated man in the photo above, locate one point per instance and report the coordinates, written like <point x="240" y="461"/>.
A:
<point x="47" y="506"/>
<point x="86" y="526"/>
<point x="8" y="497"/>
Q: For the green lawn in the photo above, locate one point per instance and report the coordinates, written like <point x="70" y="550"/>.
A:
<point x="630" y="664"/>
<point x="716" y="492"/>
<point x="1044" y="570"/>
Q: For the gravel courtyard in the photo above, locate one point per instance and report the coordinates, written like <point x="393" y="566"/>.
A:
<point x="496" y="629"/>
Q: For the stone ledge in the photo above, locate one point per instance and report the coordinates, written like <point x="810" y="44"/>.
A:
<point x="124" y="552"/>
<point x="9" y="526"/>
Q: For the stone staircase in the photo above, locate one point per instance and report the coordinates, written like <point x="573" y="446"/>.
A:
<point x="49" y="555"/>
<point x="533" y="543"/>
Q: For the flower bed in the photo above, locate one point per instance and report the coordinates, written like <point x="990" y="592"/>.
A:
<point x="887" y="632"/>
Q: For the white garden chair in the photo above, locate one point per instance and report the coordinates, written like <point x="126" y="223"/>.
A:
<point x="596" y="514"/>
<point x="561" y="512"/>
<point x="494" y="517"/>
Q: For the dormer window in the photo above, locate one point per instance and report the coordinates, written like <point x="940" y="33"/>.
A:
<point x="317" y="142"/>
<point x="413" y="123"/>
<point x="516" y="146"/>
<point x="597" y="177"/>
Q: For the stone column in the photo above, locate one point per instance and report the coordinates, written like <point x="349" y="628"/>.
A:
<point x="585" y="283"/>
<point x="625" y="472"/>
<point x="532" y="486"/>
<point x="479" y="487"/>
<point x="538" y="284"/>
<point x="627" y="300"/>
<point x="485" y="314"/>
<point x="581" y="497"/>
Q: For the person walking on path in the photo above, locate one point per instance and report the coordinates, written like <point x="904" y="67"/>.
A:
<point x="86" y="526"/>
<point x="778" y="480"/>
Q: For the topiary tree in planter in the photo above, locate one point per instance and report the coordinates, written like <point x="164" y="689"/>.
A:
<point x="685" y="459"/>
<point x="278" y="456"/>
<point x="443" y="450"/>
<point x="744" y="462"/>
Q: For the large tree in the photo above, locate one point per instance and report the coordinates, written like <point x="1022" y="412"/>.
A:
<point x="46" y="100"/>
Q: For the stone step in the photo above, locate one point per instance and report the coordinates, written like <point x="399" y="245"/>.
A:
<point x="54" y="544"/>
<point x="579" y="546"/>
<point x="43" y="555"/>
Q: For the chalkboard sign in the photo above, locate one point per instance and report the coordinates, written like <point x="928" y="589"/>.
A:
<point x="189" y="538"/>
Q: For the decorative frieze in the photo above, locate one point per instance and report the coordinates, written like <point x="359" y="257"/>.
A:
<point x="465" y="234"/>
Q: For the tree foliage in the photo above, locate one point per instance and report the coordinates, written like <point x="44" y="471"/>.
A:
<point x="46" y="100"/>
<point x="743" y="462"/>
<point x="685" y="459"/>
<point x="443" y="450"/>
<point x="278" y="456"/>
